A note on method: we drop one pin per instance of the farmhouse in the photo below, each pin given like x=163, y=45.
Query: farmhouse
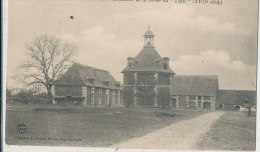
x=194, y=91
x=148, y=81
x=229, y=99
x=148, y=77
x=87, y=85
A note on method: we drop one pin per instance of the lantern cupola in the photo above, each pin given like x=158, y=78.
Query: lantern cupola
x=148, y=37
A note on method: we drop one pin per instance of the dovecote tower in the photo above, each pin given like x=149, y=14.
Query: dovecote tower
x=148, y=77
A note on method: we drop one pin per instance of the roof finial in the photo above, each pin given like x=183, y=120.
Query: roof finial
x=148, y=26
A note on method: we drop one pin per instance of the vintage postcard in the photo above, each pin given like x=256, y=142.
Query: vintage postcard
x=130, y=74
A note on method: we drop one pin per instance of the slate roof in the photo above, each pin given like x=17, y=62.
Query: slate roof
x=147, y=60
x=235, y=97
x=201, y=85
x=83, y=75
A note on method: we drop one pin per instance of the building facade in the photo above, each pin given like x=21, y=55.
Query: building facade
x=148, y=77
x=194, y=91
x=85, y=85
x=231, y=99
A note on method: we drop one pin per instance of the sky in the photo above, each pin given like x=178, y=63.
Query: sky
x=199, y=39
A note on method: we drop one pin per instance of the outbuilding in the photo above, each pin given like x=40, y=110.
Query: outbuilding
x=235, y=99
x=87, y=85
x=194, y=91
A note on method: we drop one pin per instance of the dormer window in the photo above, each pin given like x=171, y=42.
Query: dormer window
x=106, y=82
x=117, y=84
x=91, y=80
x=129, y=65
x=130, y=62
x=165, y=63
x=165, y=66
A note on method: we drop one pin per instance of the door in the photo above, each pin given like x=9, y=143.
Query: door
x=206, y=105
x=174, y=103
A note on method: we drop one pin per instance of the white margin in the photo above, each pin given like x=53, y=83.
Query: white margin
x=11, y=148
x=4, y=61
x=257, y=89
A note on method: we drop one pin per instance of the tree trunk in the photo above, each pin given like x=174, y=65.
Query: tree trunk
x=49, y=94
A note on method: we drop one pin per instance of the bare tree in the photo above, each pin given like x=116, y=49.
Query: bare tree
x=47, y=58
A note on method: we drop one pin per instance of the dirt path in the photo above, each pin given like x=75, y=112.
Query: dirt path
x=181, y=135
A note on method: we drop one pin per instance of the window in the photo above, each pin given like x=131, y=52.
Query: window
x=92, y=95
x=113, y=97
x=164, y=66
x=130, y=65
x=118, y=97
x=100, y=96
x=199, y=97
x=107, y=97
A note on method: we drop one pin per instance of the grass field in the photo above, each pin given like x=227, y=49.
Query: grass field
x=85, y=126
x=233, y=131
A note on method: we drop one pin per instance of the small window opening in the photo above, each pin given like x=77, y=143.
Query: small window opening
x=130, y=65
x=199, y=97
x=165, y=66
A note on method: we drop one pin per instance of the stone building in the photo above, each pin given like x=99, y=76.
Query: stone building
x=231, y=99
x=194, y=91
x=148, y=77
x=87, y=85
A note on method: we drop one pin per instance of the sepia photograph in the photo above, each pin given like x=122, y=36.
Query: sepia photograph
x=131, y=74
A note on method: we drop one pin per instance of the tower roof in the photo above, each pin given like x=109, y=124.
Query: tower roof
x=148, y=59
x=148, y=53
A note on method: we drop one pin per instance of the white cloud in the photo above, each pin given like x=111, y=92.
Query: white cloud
x=178, y=18
x=108, y=49
x=214, y=25
x=232, y=74
x=104, y=48
x=106, y=38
